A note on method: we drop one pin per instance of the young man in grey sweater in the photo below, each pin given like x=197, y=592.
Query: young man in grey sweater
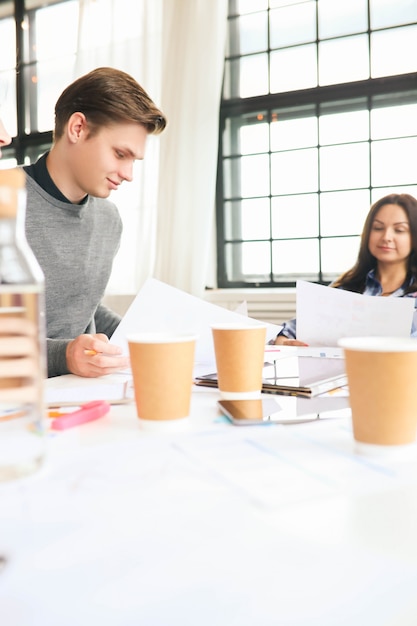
x=102, y=121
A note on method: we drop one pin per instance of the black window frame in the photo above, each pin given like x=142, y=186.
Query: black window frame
x=317, y=97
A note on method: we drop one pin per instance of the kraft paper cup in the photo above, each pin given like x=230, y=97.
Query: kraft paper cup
x=382, y=375
x=239, y=351
x=162, y=368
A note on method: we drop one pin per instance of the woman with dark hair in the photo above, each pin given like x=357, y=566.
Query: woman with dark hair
x=387, y=259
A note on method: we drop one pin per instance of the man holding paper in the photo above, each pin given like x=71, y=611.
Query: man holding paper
x=102, y=121
x=387, y=260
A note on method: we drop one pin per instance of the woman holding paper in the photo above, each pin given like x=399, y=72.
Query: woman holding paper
x=387, y=258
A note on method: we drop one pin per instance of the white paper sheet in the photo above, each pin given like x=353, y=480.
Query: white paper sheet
x=74, y=390
x=325, y=315
x=158, y=307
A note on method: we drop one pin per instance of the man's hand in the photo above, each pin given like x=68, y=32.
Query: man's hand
x=92, y=356
x=281, y=340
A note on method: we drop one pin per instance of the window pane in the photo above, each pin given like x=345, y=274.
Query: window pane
x=230, y=145
x=338, y=255
x=52, y=78
x=295, y=259
x=294, y=172
x=344, y=167
x=8, y=111
x=293, y=68
x=343, y=60
x=392, y=13
x=254, y=138
x=393, y=162
x=394, y=51
x=249, y=6
x=231, y=178
x=293, y=133
x=293, y=25
x=232, y=220
x=8, y=44
x=344, y=127
x=248, y=219
x=273, y=4
x=343, y=212
x=256, y=259
x=295, y=216
x=249, y=262
x=380, y=192
x=52, y=41
x=248, y=34
x=394, y=121
x=255, y=219
x=251, y=76
x=342, y=18
x=255, y=176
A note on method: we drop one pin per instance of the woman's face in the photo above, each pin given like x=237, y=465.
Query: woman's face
x=390, y=236
x=5, y=138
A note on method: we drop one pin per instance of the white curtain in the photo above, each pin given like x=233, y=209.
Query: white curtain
x=193, y=60
x=175, y=49
x=127, y=34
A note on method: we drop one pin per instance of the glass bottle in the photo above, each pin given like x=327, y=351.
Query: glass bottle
x=22, y=337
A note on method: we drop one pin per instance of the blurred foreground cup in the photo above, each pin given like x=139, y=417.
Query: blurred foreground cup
x=162, y=368
x=239, y=351
x=382, y=374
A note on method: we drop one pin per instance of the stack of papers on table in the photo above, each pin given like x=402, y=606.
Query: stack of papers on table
x=74, y=390
x=296, y=375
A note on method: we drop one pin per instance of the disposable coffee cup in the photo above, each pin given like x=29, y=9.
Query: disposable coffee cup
x=162, y=369
x=382, y=374
x=239, y=351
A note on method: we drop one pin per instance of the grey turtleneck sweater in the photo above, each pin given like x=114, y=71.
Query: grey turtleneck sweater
x=75, y=245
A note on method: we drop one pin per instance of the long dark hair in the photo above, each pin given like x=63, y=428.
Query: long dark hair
x=355, y=278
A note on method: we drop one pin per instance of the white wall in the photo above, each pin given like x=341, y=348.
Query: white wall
x=270, y=305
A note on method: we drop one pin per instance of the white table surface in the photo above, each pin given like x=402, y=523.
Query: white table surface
x=210, y=525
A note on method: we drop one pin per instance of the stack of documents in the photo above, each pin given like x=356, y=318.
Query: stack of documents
x=296, y=376
x=74, y=390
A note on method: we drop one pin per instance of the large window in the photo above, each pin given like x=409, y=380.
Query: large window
x=318, y=120
x=37, y=61
x=44, y=46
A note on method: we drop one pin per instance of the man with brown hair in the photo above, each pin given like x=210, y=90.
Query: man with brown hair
x=102, y=121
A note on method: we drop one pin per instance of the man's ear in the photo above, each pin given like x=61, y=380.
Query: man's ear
x=76, y=127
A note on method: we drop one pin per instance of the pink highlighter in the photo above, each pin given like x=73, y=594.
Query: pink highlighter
x=87, y=413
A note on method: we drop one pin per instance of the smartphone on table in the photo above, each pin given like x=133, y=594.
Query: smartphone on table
x=283, y=410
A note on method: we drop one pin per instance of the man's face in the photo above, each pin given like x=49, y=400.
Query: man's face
x=99, y=164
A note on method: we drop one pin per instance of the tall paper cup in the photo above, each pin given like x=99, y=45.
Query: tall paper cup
x=162, y=367
x=239, y=351
x=382, y=375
